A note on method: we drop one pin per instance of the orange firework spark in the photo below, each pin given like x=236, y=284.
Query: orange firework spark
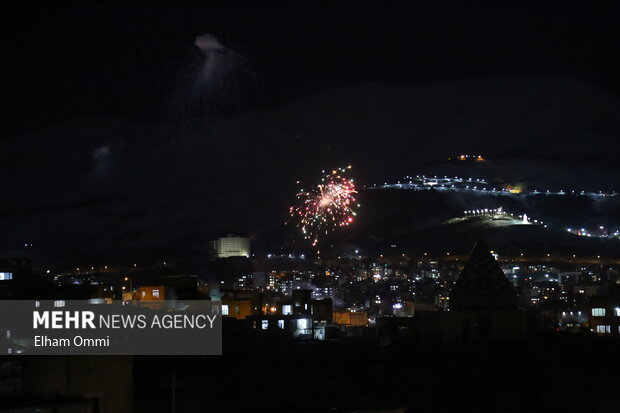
x=329, y=205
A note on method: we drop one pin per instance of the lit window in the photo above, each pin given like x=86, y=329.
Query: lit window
x=5, y=276
x=155, y=293
x=281, y=324
x=617, y=309
x=224, y=309
x=287, y=310
x=265, y=324
x=59, y=303
x=603, y=329
x=303, y=323
x=598, y=312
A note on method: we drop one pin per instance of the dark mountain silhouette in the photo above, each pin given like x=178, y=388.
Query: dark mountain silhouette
x=110, y=187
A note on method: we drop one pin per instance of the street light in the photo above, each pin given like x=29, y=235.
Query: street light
x=130, y=284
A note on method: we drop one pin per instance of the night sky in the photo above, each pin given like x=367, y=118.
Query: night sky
x=67, y=60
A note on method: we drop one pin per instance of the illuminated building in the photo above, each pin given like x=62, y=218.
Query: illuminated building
x=240, y=304
x=351, y=317
x=301, y=317
x=16, y=278
x=155, y=293
x=15, y=269
x=231, y=246
x=604, y=316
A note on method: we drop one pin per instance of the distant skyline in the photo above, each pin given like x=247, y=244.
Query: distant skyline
x=71, y=60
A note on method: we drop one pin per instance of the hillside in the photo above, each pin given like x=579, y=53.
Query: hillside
x=112, y=187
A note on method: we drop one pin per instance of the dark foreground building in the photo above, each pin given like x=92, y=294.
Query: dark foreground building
x=66, y=384
x=483, y=306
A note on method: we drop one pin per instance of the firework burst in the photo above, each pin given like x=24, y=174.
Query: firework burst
x=329, y=205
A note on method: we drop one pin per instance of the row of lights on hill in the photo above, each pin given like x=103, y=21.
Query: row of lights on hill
x=105, y=267
x=521, y=254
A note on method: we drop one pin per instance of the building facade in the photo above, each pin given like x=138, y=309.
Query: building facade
x=231, y=246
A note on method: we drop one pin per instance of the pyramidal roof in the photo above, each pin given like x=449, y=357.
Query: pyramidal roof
x=482, y=284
